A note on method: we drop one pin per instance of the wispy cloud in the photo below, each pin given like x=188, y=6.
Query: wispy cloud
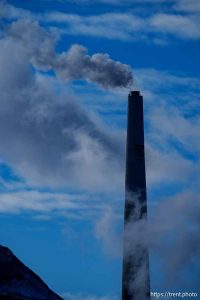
x=186, y=27
x=172, y=144
x=126, y=26
x=39, y=202
x=107, y=233
x=114, y=2
x=121, y=26
x=156, y=26
x=10, y=11
x=192, y=6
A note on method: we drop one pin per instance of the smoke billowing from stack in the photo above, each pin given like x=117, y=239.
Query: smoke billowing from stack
x=135, y=284
x=73, y=64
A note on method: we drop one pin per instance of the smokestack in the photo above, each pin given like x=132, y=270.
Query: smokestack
x=135, y=282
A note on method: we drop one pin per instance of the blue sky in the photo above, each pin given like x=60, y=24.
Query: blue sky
x=66, y=69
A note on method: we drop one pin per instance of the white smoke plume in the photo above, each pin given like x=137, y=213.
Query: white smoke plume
x=74, y=64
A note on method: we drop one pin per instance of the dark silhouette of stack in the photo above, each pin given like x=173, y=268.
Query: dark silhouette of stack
x=18, y=282
x=135, y=282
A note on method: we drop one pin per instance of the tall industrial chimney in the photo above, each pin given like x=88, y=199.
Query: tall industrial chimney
x=135, y=282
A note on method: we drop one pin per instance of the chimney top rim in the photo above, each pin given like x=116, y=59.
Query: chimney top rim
x=134, y=93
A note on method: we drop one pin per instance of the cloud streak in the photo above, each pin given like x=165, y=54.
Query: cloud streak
x=107, y=233
x=191, y=6
x=158, y=26
x=127, y=26
x=39, y=202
